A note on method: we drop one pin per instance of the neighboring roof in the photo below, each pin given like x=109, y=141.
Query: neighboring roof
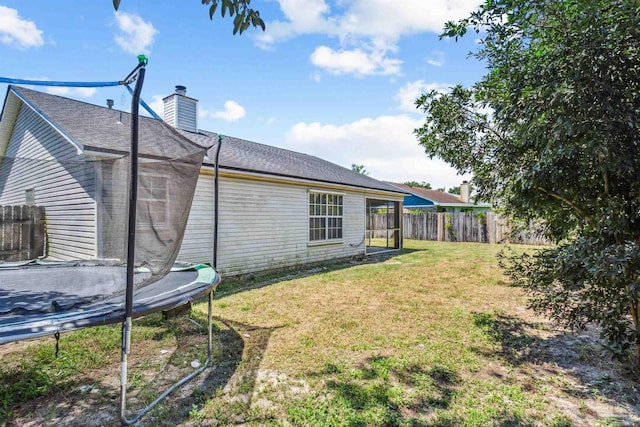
x=95, y=128
x=438, y=197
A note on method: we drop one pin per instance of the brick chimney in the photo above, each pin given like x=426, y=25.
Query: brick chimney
x=465, y=191
x=181, y=111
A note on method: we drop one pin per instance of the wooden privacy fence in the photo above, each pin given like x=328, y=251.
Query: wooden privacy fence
x=486, y=227
x=22, y=232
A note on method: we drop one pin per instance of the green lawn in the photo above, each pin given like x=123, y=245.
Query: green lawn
x=433, y=336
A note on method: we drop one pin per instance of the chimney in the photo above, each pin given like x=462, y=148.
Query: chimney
x=181, y=111
x=110, y=103
x=465, y=191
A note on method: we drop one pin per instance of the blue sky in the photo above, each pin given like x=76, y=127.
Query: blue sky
x=335, y=79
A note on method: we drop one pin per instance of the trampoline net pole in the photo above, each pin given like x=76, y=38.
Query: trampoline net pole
x=127, y=326
x=131, y=242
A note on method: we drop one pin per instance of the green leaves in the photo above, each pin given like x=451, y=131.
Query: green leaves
x=550, y=134
x=359, y=169
x=212, y=9
x=245, y=16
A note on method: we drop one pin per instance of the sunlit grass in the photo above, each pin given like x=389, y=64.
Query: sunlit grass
x=391, y=343
x=431, y=336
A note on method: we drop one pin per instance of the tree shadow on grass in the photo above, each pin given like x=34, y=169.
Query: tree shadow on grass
x=538, y=351
x=236, y=359
x=385, y=391
x=30, y=393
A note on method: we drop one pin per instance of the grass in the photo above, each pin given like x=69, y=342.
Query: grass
x=431, y=337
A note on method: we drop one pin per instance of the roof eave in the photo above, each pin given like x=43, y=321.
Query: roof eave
x=78, y=146
x=294, y=178
x=6, y=124
x=465, y=205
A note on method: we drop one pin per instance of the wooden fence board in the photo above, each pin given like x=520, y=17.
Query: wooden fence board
x=22, y=232
x=459, y=227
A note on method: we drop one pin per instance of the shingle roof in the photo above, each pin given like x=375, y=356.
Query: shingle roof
x=433, y=195
x=103, y=129
x=239, y=154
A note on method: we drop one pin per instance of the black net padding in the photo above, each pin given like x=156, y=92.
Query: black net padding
x=84, y=200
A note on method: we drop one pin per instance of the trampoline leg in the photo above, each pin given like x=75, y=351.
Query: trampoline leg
x=126, y=344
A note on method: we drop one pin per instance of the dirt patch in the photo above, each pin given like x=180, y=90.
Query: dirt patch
x=580, y=378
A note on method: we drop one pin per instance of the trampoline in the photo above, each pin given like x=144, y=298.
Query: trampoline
x=142, y=191
x=39, y=299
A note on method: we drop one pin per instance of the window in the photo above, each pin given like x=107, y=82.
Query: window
x=152, y=200
x=30, y=197
x=325, y=217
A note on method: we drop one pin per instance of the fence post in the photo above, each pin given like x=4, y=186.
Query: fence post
x=40, y=232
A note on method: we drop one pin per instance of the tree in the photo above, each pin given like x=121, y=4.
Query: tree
x=245, y=16
x=418, y=184
x=359, y=169
x=551, y=134
x=454, y=190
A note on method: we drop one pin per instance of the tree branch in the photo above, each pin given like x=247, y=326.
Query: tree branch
x=485, y=125
x=567, y=201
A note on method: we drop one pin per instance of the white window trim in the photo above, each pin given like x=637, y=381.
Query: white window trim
x=326, y=241
x=166, y=199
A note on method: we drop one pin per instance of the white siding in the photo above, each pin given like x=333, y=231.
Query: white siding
x=169, y=115
x=197, y=244
x=181, y=112
x=264, y=226
x=65, y=189
x=187, y=114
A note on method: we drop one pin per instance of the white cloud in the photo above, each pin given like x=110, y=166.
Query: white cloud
x=17, y=31
x=368, y=19
x=386, y=145
x=79, y=92
x=135, y=35
x=357, y=61
x=268, y=121
x=156, y=104
x=436, y=59
x=366, y=29
x=232, y=112
x=408, y=93
x=299, y=20
x=83, y=92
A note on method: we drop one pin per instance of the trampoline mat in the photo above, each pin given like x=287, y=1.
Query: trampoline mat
x=37, y=300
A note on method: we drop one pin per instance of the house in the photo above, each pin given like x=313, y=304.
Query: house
x=277, y=208
x=419, y=198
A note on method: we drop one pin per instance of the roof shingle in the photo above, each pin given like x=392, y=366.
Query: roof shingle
x=433, y=195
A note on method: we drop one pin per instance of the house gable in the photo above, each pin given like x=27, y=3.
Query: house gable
x=414, y=201
x=40, y=161
x=13, y=103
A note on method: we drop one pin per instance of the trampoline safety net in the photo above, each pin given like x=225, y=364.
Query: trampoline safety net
x=84, y=200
